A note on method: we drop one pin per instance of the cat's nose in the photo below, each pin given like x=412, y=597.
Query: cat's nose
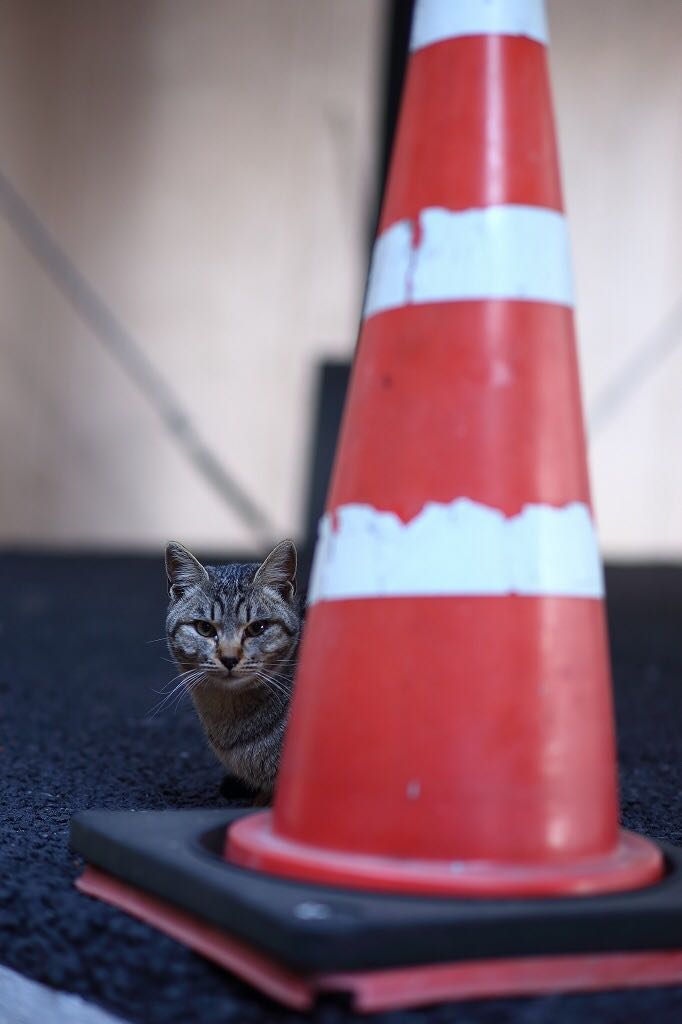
x=229, y=663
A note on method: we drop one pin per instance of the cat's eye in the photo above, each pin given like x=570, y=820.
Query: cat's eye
x=204, y=628
x=256, y=628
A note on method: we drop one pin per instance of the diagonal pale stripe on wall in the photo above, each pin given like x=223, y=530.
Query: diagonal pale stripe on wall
x=499, y=252
x=463, y=548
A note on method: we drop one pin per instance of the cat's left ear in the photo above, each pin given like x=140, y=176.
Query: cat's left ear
x=182, y=569
x=279, y=569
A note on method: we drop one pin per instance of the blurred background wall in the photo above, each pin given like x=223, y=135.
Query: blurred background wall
x=186, y=200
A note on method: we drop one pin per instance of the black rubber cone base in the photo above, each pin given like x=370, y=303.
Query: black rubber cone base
x=318, y=935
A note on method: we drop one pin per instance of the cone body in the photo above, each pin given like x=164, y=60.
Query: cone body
x=452, y=723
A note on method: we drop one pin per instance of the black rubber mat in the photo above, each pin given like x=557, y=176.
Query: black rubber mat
x=77, y=680
x=177, y=856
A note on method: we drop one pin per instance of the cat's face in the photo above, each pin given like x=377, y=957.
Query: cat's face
x=240, y=623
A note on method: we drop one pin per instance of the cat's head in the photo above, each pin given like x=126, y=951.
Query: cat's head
x=239, y=622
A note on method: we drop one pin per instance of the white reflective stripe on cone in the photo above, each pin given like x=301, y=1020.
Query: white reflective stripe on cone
x=435, y=20
x=457, y=549
x=498, y=252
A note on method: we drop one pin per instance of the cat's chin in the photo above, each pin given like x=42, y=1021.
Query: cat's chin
x=235, y=684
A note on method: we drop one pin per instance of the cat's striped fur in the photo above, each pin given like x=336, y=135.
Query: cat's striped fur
x=235, y=629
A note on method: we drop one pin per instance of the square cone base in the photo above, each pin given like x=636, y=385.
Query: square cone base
x=295, y=941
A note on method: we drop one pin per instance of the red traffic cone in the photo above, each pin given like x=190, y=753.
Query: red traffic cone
x=451, y=731
x=452, y=728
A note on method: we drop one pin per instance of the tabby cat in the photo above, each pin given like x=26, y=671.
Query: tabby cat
x=234, y=631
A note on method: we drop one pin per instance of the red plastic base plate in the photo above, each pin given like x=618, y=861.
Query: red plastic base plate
x=395, y=988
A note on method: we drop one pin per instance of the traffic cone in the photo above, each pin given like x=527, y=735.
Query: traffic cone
x=451, y=733
x=452, y=728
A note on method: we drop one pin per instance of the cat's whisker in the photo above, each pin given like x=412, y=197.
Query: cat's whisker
x=158, y=708
x=260, y=667
x=187, y=682
x=275, y=688
x=182, y=691
x=275, y=685
x=167, y=687
x=192, y=684
x=284, y=677
x=263, y=669
x=170, y=682
x=266, y=672
x=276, y=694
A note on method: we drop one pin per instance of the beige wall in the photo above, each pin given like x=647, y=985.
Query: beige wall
x=209, y=167
x=618, y=90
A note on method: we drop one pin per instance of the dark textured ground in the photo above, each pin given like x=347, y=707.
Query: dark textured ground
x=77, y=679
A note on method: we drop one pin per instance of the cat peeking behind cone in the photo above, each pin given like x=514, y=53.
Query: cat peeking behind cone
x=234, y=632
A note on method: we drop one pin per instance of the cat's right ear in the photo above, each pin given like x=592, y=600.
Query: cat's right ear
x=279, y=569
x=182, y=569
